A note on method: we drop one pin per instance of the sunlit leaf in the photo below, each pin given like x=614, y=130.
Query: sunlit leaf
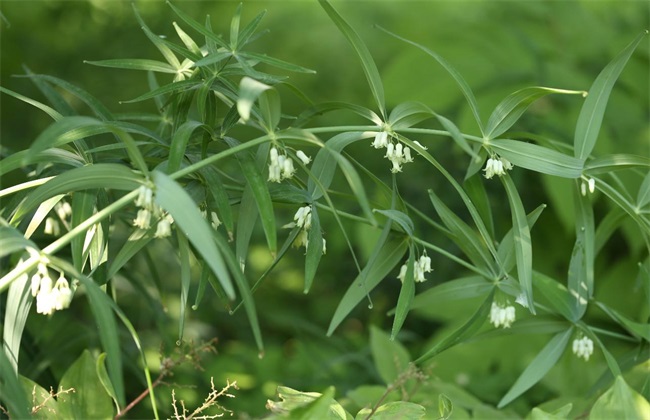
x=620, y=402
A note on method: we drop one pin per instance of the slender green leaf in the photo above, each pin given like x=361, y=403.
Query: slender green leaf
x=187, y=40
x=464, y=87
x=249, y=30
x=171, y=197
x=506, y=114
x=585, y=235
x=19, y=301
x=537, y=369
x=320, y=109
x=621, y=201
x=476, y=192
x=507, y=248
x=394, y=410
x=182, y=86
x=406, y=295
x=401, y=218
x=636, y=328
x=384, y=259
x=466, y=331
x=277, y=62
x=220, y=197
x=11, y=240
x=457, y=289
x=463, y=236
x=186, y=275
x=521, y=240
x=157, y=41
x=408, y=114
x=83, y=206
x=135, y=64
x=105, y=380
x=204, y=30
x=538, y=158
x=643, y=197
x=26, y=157
x=48, y=110
x=133, y=245
x=101, y=175
x=179, y=143
x=367, y=63
x=593, y=110
x=608, y=163
x=556, y=294
x=314, y=249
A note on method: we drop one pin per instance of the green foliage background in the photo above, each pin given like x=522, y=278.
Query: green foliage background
x=498, y=47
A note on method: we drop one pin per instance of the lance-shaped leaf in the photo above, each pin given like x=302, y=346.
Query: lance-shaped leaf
x=390, y=356
x=251, y=90
x=314, y=249
x=537, y=369
x=186, y=274
x=19, y=301
x=367, y=63
x=522, y=241
x=320, y=109
x=608, y=163
x=11, y=392
x=171, y=197
x=557, y=295
x=135, y=64
x=506, y=247
x=45, y=108
x=400, y=218
x=513, y=106
x=406, y=295
x=591, y=114
x=179, y=143
x=538, y=158
x=457, y=289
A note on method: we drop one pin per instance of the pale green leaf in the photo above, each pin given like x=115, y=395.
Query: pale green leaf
x=620, y=402
x=390, y=356
x=538, y=158
x=135, y=64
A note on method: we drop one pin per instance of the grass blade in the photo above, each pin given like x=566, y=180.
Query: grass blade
x=48, y=110
x=367, y=63
x=593, y=110
x=536, y=370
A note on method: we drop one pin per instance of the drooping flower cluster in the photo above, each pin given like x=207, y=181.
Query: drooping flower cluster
x=214, y=218
x=52, y=225
x=422, y=265
x=150, y=210
x=302, y=219
x=589, y=185
x=502, y=315
x=497, y=166
x=50, y=297
x=281, y=165
x=583, y=347
x=398, y=154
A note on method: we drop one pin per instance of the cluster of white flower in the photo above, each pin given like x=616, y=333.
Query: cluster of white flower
x=149, y=210
x=50, y=297
x=583, y=347
x=281, y=166
x=214, y=218
x=422, y=265
x=396, y=153
x=502, y=315
x=302, y=219
x=63, y=211
x=497, y=166
x=590, y=185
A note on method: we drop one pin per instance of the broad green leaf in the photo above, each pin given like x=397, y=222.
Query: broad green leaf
x=179, y=143
x=299, y=405
x=620, y=402
x=19, y=301
x=390, y=356
x=467, y=330
x=135, y=64
x=171, y=197
x=521, y=240
x=556, y=294
x=400, y=218
x=394, y=410
x=89, y=399
x=12, y=393
x=457, y=289
x=538, y=158
x=506, y=247
x=48, y=407
x=463, y=236
x=593, y=110
x=464, y=87
x=608, y=163
x=314, y=249
x=406, y=295
x=101, y=175
x=186, y=275
x=538, y=367
x=48, y=110
x=367, y=63
x=384, y=259
x=559, y=414
x=506, y=114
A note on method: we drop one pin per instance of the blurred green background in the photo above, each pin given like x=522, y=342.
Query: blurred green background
x=498, y=47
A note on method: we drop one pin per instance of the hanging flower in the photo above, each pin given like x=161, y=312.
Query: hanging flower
x=583, y=347
x=590, y=185
x=422, y=266
x=381, y=140
x=502, y=315
x=497, y=166
x=303, y=157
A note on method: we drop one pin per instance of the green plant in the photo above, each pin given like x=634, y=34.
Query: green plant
x=221, y=155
